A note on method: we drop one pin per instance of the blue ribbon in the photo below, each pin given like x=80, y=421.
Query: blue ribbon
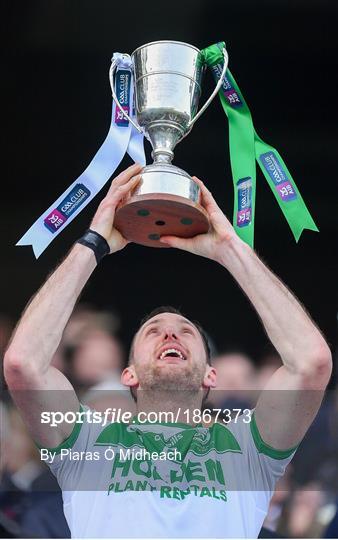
x=122, y=137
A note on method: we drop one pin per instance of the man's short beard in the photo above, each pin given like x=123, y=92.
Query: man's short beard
x=159, y=378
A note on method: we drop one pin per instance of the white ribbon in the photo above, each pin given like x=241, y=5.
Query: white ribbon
x=119, y=140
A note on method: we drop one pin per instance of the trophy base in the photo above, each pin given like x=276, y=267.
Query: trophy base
x=166, y=202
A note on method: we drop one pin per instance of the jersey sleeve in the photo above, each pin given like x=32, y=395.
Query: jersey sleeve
x=263, y=465
x=68, y=460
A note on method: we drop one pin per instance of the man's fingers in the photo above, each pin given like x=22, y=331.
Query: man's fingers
x=204, y=190
x=217, y=217
x=126, y=175
x=104, y=216
x=207, y=197
x=127, y=185
x=175, y=242
x=107, y=206
x=198, y=181
x=124, y=188
x=116, y=192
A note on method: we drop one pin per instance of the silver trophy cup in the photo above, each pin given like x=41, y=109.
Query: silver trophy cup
x=167, y=85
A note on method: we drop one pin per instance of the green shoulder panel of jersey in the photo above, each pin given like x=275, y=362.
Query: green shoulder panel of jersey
x=266, y=449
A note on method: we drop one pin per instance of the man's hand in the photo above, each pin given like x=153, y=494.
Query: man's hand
x=213, y=243
x=103, y=220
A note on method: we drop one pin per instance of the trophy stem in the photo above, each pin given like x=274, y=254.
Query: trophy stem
x=164, y=135
x=161, y=155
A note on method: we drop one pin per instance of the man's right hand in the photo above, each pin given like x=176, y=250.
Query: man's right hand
x=103, y=220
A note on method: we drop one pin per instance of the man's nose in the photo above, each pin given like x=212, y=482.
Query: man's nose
x=170, y=333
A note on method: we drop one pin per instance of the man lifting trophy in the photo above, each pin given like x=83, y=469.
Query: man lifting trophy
x=221, y=473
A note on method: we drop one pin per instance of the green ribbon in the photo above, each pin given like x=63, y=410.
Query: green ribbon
x=246, y=147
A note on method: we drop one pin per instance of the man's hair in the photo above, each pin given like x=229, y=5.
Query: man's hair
x=171, y=309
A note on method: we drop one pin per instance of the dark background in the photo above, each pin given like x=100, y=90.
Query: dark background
x=57, y=106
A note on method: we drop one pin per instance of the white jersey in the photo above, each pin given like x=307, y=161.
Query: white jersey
x=214, y=482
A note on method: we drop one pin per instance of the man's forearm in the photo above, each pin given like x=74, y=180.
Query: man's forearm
x=40, y=329
x=288, y=326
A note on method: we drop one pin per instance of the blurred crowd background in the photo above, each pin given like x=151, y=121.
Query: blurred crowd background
x=92, y=355
x=56, y=111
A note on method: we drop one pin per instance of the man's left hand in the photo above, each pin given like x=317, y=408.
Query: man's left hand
x=213, y=243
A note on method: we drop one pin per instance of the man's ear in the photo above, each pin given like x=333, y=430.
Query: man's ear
x=129, y=377
x=210, y=378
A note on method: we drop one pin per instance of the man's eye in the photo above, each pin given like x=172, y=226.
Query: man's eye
x=187, y=331
x=151, y=331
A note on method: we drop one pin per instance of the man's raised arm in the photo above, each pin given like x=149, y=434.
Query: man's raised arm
x=35, y=385
x=289, y=403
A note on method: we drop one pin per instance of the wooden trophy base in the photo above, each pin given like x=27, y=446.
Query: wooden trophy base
x=143, y=219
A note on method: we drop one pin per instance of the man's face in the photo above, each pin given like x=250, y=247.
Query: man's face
x=169, y=354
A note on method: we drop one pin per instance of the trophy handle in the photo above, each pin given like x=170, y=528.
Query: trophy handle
x=217, y=88
x=112, y=70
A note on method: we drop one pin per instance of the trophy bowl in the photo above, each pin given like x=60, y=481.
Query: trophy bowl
x=167, y=86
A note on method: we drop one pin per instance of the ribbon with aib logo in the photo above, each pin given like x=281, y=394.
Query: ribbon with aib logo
x=122, y=137
x=246, y=147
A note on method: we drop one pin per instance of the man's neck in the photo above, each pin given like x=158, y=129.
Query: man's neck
x=170, y=406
